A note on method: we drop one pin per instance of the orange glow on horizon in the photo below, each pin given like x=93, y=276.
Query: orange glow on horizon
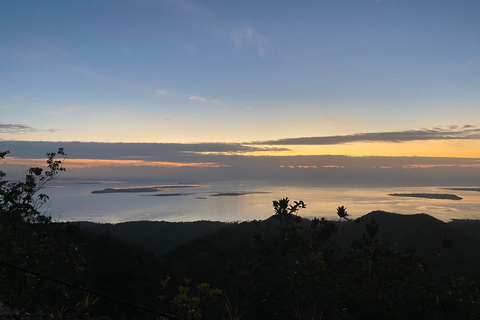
x=426, y=166
x=87, y=163
x=454, y=149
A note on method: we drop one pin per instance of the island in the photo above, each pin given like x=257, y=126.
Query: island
x=235, y=194
x=168, y=194
x=442, y=196
x=144, y=189
x=464, y=189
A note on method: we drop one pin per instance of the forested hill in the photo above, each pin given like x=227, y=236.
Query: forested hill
x=457, y=239
x=380, y=266
x=157, y=236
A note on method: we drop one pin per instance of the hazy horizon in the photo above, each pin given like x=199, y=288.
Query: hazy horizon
x=340, y=93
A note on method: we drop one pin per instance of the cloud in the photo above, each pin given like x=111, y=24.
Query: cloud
x=176, y=152
x=197, y=98
x=210, y=161
x=229, y=154
x=217, y=102
x=161, y=91
x=16, y=128
x=466, y=132
x=88, y=163
x=247, y=36
x=22, y=128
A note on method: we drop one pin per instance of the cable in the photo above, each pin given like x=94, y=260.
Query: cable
x=89, y=291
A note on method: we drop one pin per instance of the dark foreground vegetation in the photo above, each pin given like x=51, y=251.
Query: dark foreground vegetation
x=381, y=266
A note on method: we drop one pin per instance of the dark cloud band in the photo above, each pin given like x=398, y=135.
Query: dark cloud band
x=146, y=151
x=15, y=128
x=467, y=132
x=20, y=128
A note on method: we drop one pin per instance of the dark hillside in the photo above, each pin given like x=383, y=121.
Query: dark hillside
x=276, y=265
x=82, y=259
x=468, y=227
x=218, y=244
x=156, y=236
x=419, y=231
x=457, y=241
x=215, y=253
x=413, y=260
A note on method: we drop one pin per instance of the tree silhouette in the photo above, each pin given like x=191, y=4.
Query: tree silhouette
x=342, y=213
x=20, y=201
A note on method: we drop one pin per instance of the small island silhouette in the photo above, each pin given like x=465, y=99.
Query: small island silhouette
x=144, y=189
x=464, y=189
x=235, y=194
x=443, y=196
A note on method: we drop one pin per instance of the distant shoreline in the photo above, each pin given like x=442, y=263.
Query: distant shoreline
x=442, y=196
x=143, y=189
x=464, y=189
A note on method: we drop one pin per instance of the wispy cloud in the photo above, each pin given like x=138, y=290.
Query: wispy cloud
x=217, y=102
x=247, y=36
x=16, y=128
x=161, y=91
x=44, y=52
x=466, y=132
x=197, y=98
x=22, y=128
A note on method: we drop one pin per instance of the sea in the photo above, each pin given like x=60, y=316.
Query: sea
x=235, y=201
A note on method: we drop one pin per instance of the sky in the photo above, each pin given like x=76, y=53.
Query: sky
x=240, y=86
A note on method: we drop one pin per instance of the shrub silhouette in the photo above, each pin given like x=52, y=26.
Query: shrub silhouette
x=20, y=201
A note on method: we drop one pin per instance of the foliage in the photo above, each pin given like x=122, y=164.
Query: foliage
x=342, y=212
x=189, y=306
x=301, y=269
x=30, y=245
x=20, y=201
x=232, y=311
x=288, y=270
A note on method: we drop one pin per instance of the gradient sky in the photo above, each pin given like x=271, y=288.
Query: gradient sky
x=356, y=77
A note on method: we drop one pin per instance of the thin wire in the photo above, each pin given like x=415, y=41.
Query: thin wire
x=89, y=291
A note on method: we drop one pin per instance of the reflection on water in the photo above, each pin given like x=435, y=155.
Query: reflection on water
x=245, y=201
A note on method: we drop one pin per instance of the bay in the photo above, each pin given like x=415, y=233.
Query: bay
x=241, y=201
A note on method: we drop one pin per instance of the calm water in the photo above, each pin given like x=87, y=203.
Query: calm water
x=73, y=201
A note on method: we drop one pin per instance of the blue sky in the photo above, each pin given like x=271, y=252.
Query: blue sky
x=201, y=72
